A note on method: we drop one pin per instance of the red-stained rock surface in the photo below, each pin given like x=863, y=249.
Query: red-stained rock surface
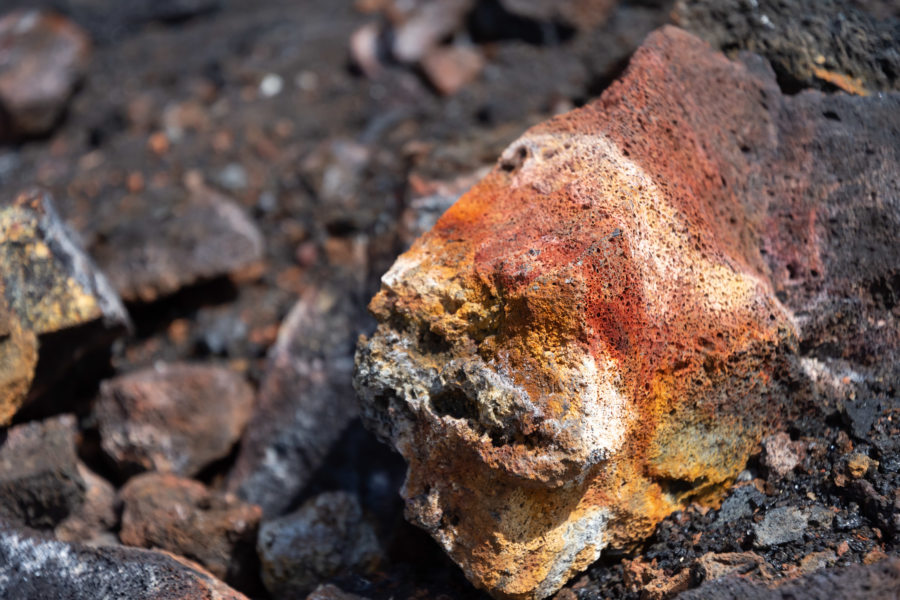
x=605, y=327
x=172, y=418
x=185, y=517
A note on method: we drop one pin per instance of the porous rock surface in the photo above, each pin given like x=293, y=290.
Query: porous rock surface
x=605, y=327
x=857, y=582
x=35, y=566
x=50, y=291
x=822, y=43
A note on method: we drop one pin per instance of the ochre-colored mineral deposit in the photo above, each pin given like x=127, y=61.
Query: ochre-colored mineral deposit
x=588, y=339
x=48, y=285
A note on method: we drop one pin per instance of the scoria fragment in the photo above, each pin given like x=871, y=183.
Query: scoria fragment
x=589, y=338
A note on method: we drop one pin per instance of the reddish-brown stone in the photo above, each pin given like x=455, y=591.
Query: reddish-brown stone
x=42, y=57
x=605, y=327
x=92, y=522
x=185, y=517
x=174, y=418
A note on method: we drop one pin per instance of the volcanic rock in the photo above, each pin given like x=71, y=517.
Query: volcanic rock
x=39, y=480
x=42, y=57
x=33, y=566
x=821, y=43
x=305, y=402
x=51, y=297
x=781, y=454
x=429, y=199
x=172, y=237
x=326, y=537
x=183, y=516
x=92, y=521
x=712, y=566
x=741, y=503
x=780, y=526
x=174, y=418
x=857, y=582
x=606, y=326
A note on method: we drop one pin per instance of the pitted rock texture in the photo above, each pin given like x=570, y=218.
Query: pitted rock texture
x=49, y=290
x=593, y=336
x=821, y=43
x=34, y=566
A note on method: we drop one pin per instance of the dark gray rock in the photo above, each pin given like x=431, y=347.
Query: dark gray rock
x=328, y=536
x=810, y=43
x=780, y=526
x=170, y=238
x=305, y=402
x=741, y=503
x=34, y=566
x=858, y=582
x=39, y=480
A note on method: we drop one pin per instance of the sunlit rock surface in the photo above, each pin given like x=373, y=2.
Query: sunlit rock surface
x=55, y=305
x=591, y=337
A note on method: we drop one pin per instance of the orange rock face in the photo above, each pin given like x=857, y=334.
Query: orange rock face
x=587, y=340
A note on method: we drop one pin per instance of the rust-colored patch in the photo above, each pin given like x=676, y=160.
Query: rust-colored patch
x=586, y=340
x=853, y=85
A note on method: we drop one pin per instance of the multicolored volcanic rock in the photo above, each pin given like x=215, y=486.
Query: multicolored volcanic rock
x=590, y=338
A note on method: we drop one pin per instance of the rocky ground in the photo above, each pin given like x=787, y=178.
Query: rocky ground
x=222, y=185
